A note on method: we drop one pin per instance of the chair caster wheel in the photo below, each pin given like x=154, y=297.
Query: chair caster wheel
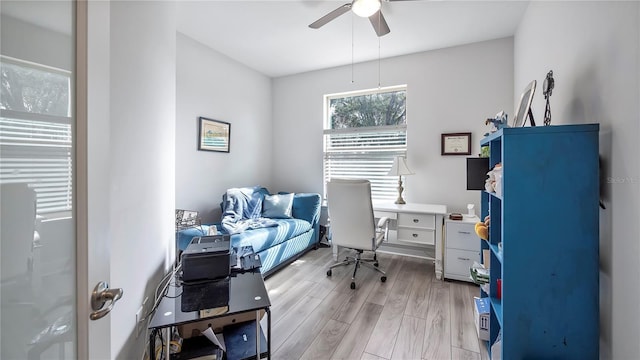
x=353, y=285
x=376, y=264
x=329, y=272
x=383, y=279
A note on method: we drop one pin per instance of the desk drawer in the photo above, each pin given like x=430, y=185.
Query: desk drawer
x=461, y=236
x=427, y=221
x=417, y=236
x=458, y=262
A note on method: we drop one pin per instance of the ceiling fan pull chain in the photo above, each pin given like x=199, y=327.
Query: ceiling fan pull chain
x=378, y=62
x=352, y=49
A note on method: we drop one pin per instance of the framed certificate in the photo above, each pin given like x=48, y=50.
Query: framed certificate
x=456, y=144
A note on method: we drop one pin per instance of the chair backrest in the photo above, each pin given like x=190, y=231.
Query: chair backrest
x=17, y=224
x=351, y=213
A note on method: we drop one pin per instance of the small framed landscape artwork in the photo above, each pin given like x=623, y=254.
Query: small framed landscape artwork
x=214, y=135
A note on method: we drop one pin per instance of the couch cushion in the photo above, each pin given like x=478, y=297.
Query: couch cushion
x=277, y=206
x=264, y=238
x=306, y=206
x=251, y=198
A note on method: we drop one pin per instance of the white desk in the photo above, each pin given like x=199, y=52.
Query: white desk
x=414, y=230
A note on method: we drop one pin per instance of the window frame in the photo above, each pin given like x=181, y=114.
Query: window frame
x=64, y=208
x=391, y=192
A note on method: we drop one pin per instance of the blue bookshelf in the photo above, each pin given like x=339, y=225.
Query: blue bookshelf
x=547, y=220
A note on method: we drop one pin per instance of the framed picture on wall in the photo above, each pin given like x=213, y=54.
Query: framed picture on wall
x=455, y=144
x=214, y=135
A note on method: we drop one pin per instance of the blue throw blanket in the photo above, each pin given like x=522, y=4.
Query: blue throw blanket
x=243, y=210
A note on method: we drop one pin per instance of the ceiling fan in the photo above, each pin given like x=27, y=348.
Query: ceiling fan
x=364, y=8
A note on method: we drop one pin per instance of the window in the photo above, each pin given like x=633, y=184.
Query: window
x=36, y=133
x=364, y=131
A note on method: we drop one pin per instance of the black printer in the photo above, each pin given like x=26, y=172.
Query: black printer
x=206, y=258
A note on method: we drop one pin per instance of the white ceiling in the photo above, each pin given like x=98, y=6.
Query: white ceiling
x=273, y=37
x=49, y=14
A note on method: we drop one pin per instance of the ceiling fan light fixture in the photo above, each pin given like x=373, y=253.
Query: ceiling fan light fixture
x=365, y=8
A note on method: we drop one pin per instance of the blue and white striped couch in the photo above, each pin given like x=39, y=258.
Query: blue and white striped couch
x=276, y=245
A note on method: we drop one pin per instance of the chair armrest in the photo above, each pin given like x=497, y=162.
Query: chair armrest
x=383, y=222
x=383, y=226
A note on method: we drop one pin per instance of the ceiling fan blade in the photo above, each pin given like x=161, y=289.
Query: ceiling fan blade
x=330, y=16
x=379, y=23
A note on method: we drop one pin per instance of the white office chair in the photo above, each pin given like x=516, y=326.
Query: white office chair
x=18, y=219
x=353, y=224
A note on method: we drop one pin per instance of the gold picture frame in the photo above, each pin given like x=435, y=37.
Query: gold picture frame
x=214, y=135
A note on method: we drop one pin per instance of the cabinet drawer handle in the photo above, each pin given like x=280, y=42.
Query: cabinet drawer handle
x=463, y=259
x=464, y=232
x=416, y=221
x=415, y=235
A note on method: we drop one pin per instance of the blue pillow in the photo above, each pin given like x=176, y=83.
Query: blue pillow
x=277, y=206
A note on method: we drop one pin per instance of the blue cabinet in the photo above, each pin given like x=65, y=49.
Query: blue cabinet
x=544, y=239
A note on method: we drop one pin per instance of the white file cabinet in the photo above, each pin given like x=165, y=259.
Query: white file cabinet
x=460, y=247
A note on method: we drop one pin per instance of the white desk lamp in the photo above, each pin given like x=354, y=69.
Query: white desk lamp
x=398, y=169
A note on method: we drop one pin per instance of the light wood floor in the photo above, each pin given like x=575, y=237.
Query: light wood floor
x=410, y=316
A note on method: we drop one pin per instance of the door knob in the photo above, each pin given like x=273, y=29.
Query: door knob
x=103, y=299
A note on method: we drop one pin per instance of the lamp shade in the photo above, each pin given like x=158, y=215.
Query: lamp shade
x=365, y=8
x=399, y=167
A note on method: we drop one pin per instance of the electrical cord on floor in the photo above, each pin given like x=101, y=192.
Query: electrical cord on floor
x=160, y=292
x=166, y=280
x=175, y=345
x=158, y=348
x=161, y=356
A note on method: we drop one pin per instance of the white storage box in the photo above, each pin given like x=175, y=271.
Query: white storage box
x=481, y=317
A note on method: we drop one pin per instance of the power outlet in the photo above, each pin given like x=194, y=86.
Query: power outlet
x=140, y=315
x=144, y=304
x=139, y=321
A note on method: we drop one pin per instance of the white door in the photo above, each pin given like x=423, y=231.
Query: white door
x=48, y=267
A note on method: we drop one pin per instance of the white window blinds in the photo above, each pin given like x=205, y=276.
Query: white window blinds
x=366, y=154
x=38, y=153
x=36, y=133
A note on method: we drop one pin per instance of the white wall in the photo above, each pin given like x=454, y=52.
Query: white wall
x=47, y=47
x=214, y=86
x=141, y=151
x=448, y=90
x=593, y=50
